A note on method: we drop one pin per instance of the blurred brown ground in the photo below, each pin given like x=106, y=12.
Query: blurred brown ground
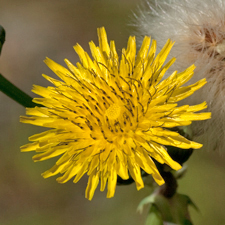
x=34, y=30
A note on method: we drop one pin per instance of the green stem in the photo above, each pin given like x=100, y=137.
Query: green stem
x=15, y=93
x=2, y=37
x=169, y=189
x=10, y=89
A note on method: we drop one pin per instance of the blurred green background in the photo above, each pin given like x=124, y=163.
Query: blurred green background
x=34, y=30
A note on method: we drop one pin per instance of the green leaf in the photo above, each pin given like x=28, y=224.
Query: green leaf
x=169, y=210
x=148, y=200
x=154, y=217
x=175, y=209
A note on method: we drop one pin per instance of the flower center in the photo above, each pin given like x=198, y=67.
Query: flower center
x=113, y=111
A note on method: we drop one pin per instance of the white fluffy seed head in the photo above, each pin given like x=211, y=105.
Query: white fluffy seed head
x=198, y=29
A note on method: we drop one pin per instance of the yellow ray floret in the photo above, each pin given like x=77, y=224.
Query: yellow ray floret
x=109, y=116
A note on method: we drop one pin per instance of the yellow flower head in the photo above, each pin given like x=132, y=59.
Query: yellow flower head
x=109, y=116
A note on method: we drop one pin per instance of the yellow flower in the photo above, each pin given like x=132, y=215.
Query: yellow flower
x=109, y=116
